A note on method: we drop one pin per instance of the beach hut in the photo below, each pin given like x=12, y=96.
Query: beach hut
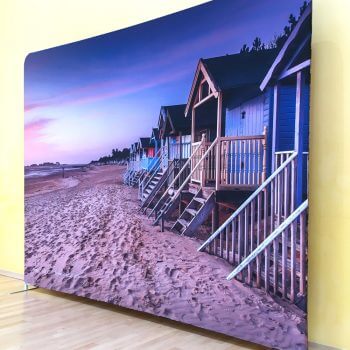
x=134, y=169
x=150, y=163
x=174, y=132
x=288, y=82
x=146, y=153
x=129, y=165
x=265, y=238
x=229, y=138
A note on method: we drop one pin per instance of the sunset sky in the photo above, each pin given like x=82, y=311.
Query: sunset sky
x=85, y=98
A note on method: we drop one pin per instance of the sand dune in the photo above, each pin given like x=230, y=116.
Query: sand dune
x=91, y=241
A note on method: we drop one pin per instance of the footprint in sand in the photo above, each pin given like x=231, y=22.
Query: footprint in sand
x=172, y=272
x=68, y=282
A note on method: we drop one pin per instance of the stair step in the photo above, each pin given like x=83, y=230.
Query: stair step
x=183, y=222
x=191, y=211
x=199, y=199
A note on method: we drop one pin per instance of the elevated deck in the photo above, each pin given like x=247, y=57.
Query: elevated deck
x=236, y=163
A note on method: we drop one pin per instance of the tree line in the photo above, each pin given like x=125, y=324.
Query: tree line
x=279, y=40
x=116, y=156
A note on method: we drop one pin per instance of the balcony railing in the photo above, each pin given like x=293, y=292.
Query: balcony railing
x=282, y=156
x=134, y=165
x=237, y=161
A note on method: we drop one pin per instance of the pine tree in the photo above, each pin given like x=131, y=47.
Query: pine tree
x=245, y=48
x=257, y=44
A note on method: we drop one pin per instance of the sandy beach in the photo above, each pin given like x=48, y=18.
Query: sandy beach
x=85, y=236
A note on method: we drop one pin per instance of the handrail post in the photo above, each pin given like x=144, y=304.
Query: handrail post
x=217, y=164
x=203, y=168
x=264, y=142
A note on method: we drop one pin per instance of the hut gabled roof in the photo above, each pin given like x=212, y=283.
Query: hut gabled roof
x=134, y=147
x=296, y=51
x=231, y=71
x=155, y=134
x=144, y=142
x=225, y=73
x=175, y=120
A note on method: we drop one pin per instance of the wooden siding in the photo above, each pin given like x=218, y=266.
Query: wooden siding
x=268, y=122
x=179, y=147
x=307, y=119
x=253, y=121
x=286, y=119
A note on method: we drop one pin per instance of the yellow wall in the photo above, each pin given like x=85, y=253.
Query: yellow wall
x=329, y=226
x=27, y=26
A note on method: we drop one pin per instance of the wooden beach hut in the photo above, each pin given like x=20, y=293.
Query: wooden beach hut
x=146, y=153
x=174, y=132
x=229, y=138
x=150, y=162
x=249, y=151
x=175, y=135
x=138, y=162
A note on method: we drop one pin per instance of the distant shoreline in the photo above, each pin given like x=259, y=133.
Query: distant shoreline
x=46, y=170
x=53, y=181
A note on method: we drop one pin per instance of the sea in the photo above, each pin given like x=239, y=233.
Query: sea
x=42, y=171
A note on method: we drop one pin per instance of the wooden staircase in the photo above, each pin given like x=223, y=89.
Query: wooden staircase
x=171, y=197
x=196, y=212
x=135, y=177
x=153, y=189
x=126, y=176
x=152, y=185
x=155, y=185
x=265, y=238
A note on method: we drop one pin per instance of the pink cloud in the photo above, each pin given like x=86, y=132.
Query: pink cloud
x=36, y=128
x=35, y=147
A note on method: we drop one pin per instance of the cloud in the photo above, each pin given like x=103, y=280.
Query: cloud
x=37, y=148
x=130, y=77
x=35, y=129
x=108, y=89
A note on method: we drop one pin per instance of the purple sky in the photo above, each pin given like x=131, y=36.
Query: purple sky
x=85, y=98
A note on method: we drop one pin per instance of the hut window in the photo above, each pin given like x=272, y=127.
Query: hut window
x=243, y=115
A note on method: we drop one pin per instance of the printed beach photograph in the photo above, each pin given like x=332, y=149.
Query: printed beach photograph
x=166, y=168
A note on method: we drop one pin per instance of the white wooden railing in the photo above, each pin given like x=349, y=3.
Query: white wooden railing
x=135, y=165
x=242, y=160
x=182, y=174
x=281, y=156
x=263, y=212
x=236, y=161
x=201, y=173
x=287, y=269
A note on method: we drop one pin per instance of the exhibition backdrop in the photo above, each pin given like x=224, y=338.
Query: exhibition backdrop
x=338, y=245
x=166, y=168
